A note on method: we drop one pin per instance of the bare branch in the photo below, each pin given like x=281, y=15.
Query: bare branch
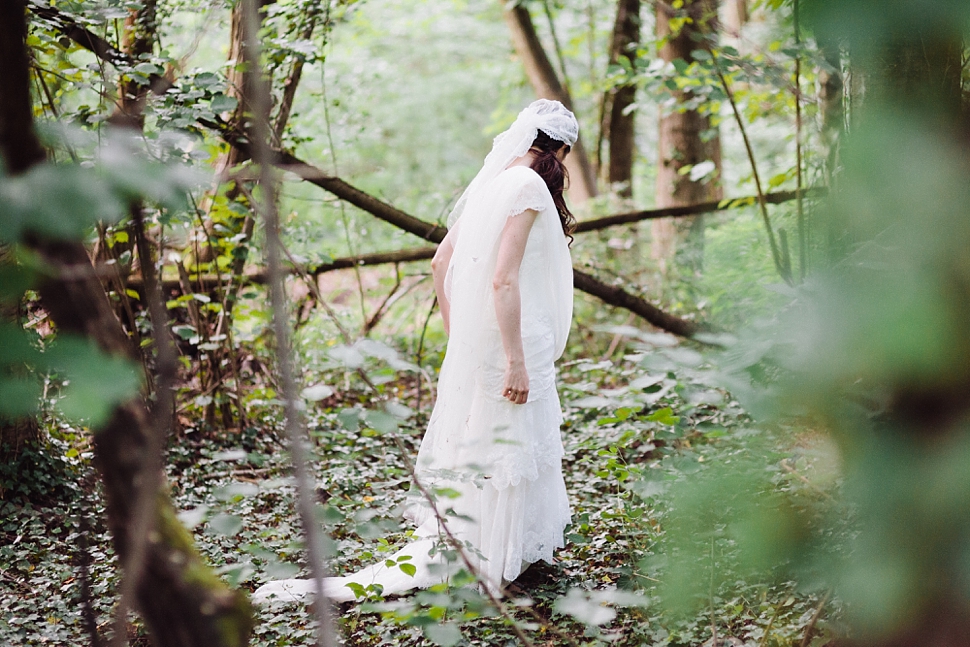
x=690, y=210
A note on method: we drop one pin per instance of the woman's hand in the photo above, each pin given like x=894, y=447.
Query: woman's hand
x=516, y=388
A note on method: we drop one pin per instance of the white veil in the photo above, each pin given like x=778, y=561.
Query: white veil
x=551, y=117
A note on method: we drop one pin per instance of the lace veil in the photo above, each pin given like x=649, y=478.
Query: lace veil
x=551, y=117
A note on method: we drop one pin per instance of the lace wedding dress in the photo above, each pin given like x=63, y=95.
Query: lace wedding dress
x=503, y=460
x=497, y=464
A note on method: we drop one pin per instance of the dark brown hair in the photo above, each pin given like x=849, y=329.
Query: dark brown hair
x=554, y=174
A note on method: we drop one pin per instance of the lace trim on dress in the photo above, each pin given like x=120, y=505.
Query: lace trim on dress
x=533, y=195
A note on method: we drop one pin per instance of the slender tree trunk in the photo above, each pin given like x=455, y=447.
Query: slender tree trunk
x=183, y=602
x=239, y=81
x=682, y=141
x=138, y=40
x=735, y=16
x=17, y=433
x=831, y=104
x=622, y=122
x=544, y=80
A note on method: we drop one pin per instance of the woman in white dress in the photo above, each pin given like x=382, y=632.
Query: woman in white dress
x=503, y=277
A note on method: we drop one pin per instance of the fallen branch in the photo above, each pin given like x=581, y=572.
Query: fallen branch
x=690, y=210
x=612, y=295
x=211, y=281
x=426, y=230
x=617, y=296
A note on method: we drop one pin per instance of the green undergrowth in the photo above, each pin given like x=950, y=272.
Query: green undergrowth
x=639, y=430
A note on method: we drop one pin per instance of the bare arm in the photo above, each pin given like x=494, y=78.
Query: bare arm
x=439, y=269
x=508, y=303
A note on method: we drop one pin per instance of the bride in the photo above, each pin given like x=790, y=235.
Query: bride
x=493, y=450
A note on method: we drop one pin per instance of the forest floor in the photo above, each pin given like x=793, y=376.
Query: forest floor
x=629, y=432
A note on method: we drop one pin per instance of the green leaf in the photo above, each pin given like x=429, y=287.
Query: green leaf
x=207, y=79
x=664, y=416
x=97, y=382
x=316, y=392
x=18, y=396
x=148, y=69
x=380, y=421
x=578, y=605
x=61, y=202
x=410, y=569
x=444, y=635
x=223, y=103
x=349, y=419
x=226, y=524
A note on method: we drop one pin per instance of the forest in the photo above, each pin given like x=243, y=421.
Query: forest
x=221, y=341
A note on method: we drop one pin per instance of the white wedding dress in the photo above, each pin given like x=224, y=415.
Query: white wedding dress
x=502, y=459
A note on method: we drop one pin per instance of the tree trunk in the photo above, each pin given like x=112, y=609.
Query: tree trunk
x=544, y=80
x=239, y=81
x=735, y=16
x=682, y=142
x=138, y=40
x=19, y=432
x=182, y=601
x=831, y=104
x=622, y=124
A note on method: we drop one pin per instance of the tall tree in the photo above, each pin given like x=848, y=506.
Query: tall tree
x=137, y=41
x=622, y=120
x=16, y=433
x=735, y=16
x=182, y=601
x=686, y=136
x=547, y=85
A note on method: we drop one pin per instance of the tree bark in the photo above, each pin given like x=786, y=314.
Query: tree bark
x=138, y=40
x=831, y=104
x=544, y=80
x=622, y=123
x=682, y=142
x=735, y=16
x=182, y=601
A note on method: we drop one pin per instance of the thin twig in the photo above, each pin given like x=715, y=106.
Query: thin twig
x=417, y=358
x=810, y=627
x=369, y=324
x=457, y=545
x=771, y=623
x=296, y=433
x=343, y=207
x=804, y=479
x=711, y=598
x=775, y=255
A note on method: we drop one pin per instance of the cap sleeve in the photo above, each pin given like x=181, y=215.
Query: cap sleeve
x=531, y=193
